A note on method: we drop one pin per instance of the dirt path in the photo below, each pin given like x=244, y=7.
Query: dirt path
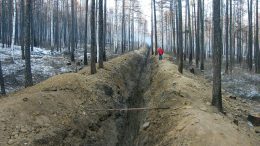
x=191, y=120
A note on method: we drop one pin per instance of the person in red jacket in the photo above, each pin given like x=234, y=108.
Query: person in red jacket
x=160, y=52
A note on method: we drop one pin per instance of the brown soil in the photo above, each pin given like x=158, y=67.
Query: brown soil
x=192, y=120
x=56, y=111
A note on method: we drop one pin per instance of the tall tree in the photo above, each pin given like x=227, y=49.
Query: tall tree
x=123, y=28
x=190, y=34
x=105, y=30
x=152, y=33
x=56, y=32
x=9, y=26
x=13, y=30
x=226, y=39
x=231, y=36
x=116, y=28
x=201, y=34
x=250, y=35
x=155, y=27
x=162, y=24
x=32, y=24
x=93, y=69
x=28, y=71
x=177, y=30
x=52, y=24
x=101, y=41
x=3, y=23
x=240, y=41
x=180, y=66
x=217, y=52
x=73, y=40
x=257, y=54
x=198, y=35
x=22, y=29
x=86, y=36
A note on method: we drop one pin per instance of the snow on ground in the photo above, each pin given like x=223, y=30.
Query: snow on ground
x=243, y=84
x=44, y=65
x=240, y=83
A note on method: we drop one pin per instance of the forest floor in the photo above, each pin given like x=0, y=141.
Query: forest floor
x=72, y=109
x=45, y=64
x=240, y=82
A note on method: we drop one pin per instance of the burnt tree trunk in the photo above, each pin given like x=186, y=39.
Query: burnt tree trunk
x=28, y=71
x=101, y=41
x=155, y=28
x=86, y=36
x=180, y=38
x=257, y=59
x=226, y=39
x=217, y=51
x=93, y=69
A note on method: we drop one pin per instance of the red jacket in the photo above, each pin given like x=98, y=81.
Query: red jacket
x=160, y=51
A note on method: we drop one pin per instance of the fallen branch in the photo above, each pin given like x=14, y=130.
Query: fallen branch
x=134, y=109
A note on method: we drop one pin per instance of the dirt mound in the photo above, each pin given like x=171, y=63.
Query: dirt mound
x=55, y=112
x=191, y=120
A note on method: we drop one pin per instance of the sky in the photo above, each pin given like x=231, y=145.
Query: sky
x=145, y=8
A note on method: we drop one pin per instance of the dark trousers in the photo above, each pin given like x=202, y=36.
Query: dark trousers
x=160, y=57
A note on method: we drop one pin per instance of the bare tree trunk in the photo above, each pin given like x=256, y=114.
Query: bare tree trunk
x=227, y=46
x=28, y=72
x=129, y=25
x=101, y=41
x=155, y=27
x=3, y=23
x=152, y=34
x=250, y=35
x=202, y=35
x=123, y=28
x=230, y=37
x=52, y=25
x=190, y=34
x=257, y=61
x=239, y=57
x=86, y=36
x=198, y=35
x=116, y=28
x=217, y=49
x=93, y=69
x=186, y=31
x=22, y=29
x=105, y=30
x=32, y=25
x=180, y=66
x=72, y=57
x=13, y=30
x=162, y=17
x=177, y=32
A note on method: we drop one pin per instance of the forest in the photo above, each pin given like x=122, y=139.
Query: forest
x=81, y=69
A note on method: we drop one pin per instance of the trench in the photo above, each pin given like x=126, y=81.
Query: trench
x=118, y=128
x=132, y=120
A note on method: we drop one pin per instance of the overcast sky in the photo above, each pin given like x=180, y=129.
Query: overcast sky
x=145, y=8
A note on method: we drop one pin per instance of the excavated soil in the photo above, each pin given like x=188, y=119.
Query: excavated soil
x=62, y=110
x=191, y=120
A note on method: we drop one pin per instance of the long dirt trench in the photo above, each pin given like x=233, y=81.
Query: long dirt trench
x=70, y=109
x=61, y=110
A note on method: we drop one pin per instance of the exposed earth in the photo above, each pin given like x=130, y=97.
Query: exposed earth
x=83, y=109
